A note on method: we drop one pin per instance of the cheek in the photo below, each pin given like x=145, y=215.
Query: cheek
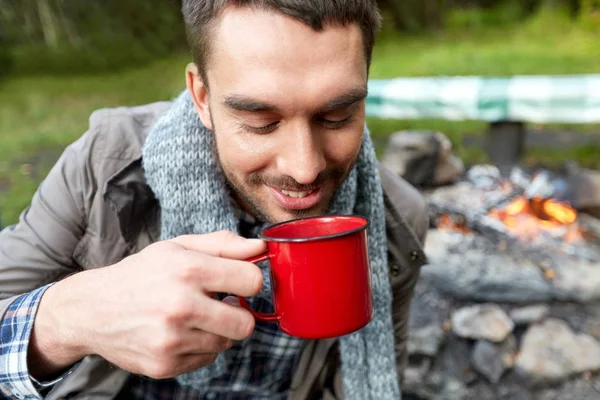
x=342, y=148
x=235, y=141
x=240, y=154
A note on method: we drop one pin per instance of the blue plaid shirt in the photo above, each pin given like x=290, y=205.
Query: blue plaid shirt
x=259, y=367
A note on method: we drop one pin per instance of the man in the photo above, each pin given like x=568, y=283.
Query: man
x=115, y=277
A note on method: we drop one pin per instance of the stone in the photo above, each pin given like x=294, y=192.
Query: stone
x=492, y=360
x=577, y=282
x=445, y=388
x=460, y=266
x=473, y=267
x=426, y=340
x=428, y=311
x=584, y=318
x=551, y=352
x=415, y=373
x=577, y=389
x=529, y=314
x=483, y=321
x=585, y=185
x=454, y=361
x=423, y=158
x=428, y=306
x=436, y=386
x=511, y=387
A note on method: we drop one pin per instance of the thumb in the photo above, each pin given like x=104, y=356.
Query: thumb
x=224, y=244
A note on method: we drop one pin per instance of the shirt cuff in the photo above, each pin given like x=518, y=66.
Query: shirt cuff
x=47, y=384
x=15, y=332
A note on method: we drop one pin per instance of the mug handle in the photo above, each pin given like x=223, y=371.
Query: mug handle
x=259, y=316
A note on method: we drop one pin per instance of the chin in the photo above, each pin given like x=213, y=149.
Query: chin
x=289, y=215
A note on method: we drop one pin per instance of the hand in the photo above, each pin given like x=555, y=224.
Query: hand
x=153, y=313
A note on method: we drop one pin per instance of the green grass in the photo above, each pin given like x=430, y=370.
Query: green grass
x=40, y=115
x=548, y=43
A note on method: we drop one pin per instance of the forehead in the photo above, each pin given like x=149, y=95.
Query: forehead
x=264, y=52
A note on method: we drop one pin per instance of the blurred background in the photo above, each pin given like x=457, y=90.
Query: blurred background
x=516, y=244
x=62, y=59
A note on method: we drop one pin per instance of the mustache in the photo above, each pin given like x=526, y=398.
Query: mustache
x=285, y=182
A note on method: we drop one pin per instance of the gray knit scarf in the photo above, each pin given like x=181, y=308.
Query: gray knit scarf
x=182, y=170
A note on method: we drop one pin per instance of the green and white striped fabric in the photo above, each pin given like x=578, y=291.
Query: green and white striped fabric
x=537, y=99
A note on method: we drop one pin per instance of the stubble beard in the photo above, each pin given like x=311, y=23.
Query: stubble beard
x=335, y=175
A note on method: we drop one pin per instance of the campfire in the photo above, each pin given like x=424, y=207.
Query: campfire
x=514, y=255
x=529, y=213
x=528, y=219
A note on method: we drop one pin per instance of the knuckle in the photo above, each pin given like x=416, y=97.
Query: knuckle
x=244, y=325
x=180, y=311
x=161, y=247
x=187, y=273
x=212, y=275
x=188, y=270
x=207, y=316
x=257, y=281
x=160, y=370
x=226, y=235
x=165, y=346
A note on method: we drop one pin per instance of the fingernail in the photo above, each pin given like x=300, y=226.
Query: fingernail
x=232, y=301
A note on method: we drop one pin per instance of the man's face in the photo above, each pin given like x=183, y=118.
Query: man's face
x=287, y=107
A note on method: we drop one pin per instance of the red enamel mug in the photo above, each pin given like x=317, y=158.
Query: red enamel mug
x=320, y=276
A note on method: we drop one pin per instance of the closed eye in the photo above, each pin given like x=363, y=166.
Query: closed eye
x=335, y=124
x=259, y=130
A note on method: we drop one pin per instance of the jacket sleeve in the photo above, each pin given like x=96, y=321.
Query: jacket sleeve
x=407, y=223
x=38, y=249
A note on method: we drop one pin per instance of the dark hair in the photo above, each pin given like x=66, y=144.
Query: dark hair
x=200, y=14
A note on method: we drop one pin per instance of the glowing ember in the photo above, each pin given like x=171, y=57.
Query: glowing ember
x=446, y=223
x=528, y=218
x=562, y=213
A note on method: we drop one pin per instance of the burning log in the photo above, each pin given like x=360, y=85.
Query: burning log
x=498, y=226
x=525, y=214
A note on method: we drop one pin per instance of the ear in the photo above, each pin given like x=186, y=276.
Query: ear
x=199, y=94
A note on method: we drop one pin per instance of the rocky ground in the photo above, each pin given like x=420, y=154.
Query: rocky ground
x=461, y=349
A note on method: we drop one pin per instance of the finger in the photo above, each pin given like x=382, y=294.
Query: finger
x=224, y=244
x=165, y=369
x=191, y=362
x=221, y=275
x=222, y=319
x=202, y=342
x=232, y=301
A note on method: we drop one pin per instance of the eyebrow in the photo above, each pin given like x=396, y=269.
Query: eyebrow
x=345, y=100
x=241, y=103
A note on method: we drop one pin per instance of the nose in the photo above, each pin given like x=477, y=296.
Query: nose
x=303, y=155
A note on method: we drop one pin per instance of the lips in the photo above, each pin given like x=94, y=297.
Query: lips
x=296, y=194
x=296, y=200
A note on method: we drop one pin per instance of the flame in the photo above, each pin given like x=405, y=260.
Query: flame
x=562, y=213
x=528, y=218
x=446, y=223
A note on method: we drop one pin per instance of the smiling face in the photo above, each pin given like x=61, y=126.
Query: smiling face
x=286, y=104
